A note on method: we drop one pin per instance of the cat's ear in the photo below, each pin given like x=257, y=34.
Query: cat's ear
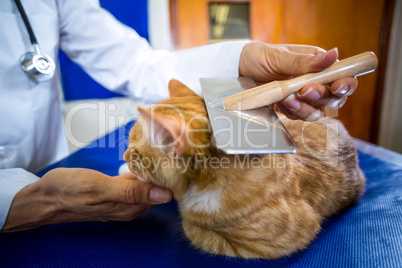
x=178, y=89
x=166, y=132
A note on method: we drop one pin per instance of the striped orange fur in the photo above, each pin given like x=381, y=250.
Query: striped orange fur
x=250, y=206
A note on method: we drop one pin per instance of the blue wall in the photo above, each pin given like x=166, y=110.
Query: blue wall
x=76, y=83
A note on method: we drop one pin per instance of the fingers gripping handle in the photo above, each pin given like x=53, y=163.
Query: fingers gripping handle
x=278, y=90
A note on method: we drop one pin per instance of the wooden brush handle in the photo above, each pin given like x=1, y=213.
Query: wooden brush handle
x=278, y=90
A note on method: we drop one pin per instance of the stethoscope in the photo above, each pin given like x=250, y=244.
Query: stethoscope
x=40, y=67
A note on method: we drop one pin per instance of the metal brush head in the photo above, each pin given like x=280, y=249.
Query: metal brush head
x=256, y=131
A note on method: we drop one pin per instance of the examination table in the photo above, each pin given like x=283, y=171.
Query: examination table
x=367, y=234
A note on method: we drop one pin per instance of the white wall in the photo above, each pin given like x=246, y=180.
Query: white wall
x=390, y=135
x=159, y=24
x=88, y=120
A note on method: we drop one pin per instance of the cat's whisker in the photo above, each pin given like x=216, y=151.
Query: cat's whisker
x=120, y=141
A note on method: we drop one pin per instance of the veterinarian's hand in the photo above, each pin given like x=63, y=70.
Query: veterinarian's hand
x=265, y=63
x=70, y=195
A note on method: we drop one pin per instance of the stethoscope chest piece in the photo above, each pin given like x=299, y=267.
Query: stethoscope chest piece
x=39, y=67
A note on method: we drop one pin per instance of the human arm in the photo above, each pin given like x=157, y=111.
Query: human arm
x=119, y=59
x=9, y=188
x=70, y=195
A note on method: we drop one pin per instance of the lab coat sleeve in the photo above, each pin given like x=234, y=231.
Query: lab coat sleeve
x=119, y=59
x=11, y=182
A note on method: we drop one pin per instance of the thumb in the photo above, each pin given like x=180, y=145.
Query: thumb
x=296, y=64
x=124, y=189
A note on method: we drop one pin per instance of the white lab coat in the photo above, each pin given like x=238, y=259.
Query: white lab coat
x=31, y=124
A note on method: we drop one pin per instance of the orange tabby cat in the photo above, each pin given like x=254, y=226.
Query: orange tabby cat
x=251, y=206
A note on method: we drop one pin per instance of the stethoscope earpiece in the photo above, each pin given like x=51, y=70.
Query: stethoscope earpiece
x=40, y=67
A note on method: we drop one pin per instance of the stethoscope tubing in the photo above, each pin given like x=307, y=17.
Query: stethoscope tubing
x=40, y=67
x=32, y=36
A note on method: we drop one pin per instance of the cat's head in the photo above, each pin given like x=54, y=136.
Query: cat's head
x=170, y=138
